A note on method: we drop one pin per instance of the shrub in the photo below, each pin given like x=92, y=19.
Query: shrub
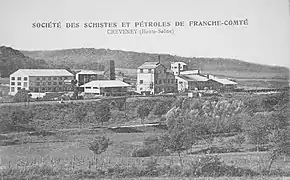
x=99, y=145
x=141, y=152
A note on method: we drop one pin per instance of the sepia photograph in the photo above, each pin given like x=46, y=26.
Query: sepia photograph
x=136, y=89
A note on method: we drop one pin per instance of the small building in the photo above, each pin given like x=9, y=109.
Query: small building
x=85, y=76
x=153, y=78
x=222, y=84
x=178, y=67
x=106, y=88
x=191, y=82
x=40, y=80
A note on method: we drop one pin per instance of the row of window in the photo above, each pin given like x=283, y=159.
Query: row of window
x=48, y=89
x=49, y=83
x=19, y=78
x=161, y=89
x=41, y=78
x=165, y=81
x=19, y=84
x=50, y=78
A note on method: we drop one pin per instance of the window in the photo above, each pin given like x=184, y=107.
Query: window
x=49, y=78
x=37, y=84
x=19, y=78
x=49, y=83
x=43, y=83
x=37, y=78
x=43, y=78
x=164, y=80
x=176, y=81
x=12, y=83
x=160, y=81
x=43, y=89
x=25, y=78
x=60, y=83
x=65, y=78
x=25, y=84
x=18, y=83
x=141, y=70
x=54, y=78
x=54, y=83
x=168, y=81
x=88, y=87
x=60, y=78
x=12, y=78
x=149, y=70
x=172, y=81
x=141, y=81
x=18, y=88
x=12, y=89
x=95, y=87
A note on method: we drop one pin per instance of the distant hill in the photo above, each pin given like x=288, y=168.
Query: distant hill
x=12, y=60
x=90, y=58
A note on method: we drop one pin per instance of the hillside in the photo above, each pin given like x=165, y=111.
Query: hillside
x=12, y=60
x=90, y=58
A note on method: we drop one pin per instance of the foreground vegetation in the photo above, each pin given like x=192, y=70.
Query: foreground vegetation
x=237, y=136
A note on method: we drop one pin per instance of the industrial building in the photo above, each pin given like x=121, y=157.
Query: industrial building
x=106, y=88
x=153, y=78
x=40, y=80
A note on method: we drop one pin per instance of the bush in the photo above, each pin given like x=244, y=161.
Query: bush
x=141, y=152
x=99, y=145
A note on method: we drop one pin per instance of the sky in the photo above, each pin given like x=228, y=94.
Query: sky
x=265, y=40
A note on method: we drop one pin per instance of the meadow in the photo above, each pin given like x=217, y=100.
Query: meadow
x=58, y=147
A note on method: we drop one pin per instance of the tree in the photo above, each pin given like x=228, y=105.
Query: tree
x=180, y=137
x=143, y=111
x=99, y=145
x=19, y=118
x=103, y=113
x=21, y=96
x=80, y=114
x=280, y=145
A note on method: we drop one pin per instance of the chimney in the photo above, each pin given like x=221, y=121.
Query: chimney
x=159, y=59
x=112, y=70
x=207, y=76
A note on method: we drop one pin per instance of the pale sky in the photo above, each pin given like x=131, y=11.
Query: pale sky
x=265, y=40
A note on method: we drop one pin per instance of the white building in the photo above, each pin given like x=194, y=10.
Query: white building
x=40, y=80
x=106, y=88
x=153, y=77
x=177, y=67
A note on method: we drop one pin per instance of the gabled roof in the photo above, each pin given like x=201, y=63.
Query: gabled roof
x=149, y=65
x=193, y=77
x=179, y=62
x=43, y=72
x=106, y=83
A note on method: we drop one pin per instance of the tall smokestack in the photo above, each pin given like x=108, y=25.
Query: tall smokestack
x=110, y=70
x=159, y=59
x=178, y=69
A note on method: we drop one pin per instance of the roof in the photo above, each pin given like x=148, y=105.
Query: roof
x=179, y=62
x=90, y=72
x=106, y=83
x=149, y=65
x=43, y=72
x=193, y=77
x=224, y=81
x=196, y=71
